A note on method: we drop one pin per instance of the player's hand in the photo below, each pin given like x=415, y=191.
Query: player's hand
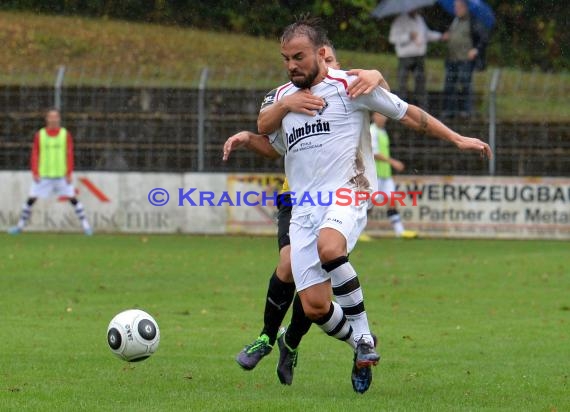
x=472, y=54
x=304, y=102
x=365, y=82
x=397, y=165
x=240, y=139
x=470, y=144
x=445, y=36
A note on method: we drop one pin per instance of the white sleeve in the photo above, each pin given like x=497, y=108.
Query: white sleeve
x=276, y=140
x=431, y=35
x=399, y=34
x=382, y=101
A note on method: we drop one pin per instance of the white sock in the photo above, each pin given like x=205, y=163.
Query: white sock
x=24, y=216
x=85, y=224
x=397, y=225
x=80, y=212
x=348, y=294
x=335, y=324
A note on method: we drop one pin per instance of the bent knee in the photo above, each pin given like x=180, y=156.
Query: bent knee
x=315, y=311
x=284, y=272
x=329, y=252
x=331, y=245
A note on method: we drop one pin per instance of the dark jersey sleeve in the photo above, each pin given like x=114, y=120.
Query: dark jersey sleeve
x=269, y=99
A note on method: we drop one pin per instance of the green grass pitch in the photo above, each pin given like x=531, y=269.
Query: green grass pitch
x=463, y=325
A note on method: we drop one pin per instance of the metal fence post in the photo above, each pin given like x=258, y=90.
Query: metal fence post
x=57, y=87
x=493, y=118
x=201, y=116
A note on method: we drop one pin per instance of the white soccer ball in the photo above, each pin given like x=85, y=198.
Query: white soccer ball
x=133, y=335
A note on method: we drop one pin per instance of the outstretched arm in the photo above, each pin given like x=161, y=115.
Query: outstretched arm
x=415, y=118
x=255, y=142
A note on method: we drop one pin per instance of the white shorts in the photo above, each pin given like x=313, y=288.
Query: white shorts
x=386, y=185
x=304, y=234
x=52, y=187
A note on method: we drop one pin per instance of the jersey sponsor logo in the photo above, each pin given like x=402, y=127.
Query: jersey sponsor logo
x=298, y=134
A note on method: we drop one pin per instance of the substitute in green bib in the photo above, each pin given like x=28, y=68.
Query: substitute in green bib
x=52, y=167
x=384, y=165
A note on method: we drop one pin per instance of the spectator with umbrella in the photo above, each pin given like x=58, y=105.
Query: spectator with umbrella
x=409, y=34
x=467, y=39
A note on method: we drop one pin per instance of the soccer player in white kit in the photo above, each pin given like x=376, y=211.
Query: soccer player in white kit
x=280, y=295
x=324, y=151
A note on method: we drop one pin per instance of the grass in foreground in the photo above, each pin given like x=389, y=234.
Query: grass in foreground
x=105, y=52
x=464, y=325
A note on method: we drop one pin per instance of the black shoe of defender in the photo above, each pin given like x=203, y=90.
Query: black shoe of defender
x=287, y=361
x=250, y=356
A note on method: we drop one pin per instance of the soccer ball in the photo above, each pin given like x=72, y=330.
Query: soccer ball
x=133, y=335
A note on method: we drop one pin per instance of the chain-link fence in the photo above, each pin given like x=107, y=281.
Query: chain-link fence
x=150, y=121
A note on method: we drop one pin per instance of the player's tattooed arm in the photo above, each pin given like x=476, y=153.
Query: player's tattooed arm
x=255, y=142
x=415, y=118
x=365, y=82
x=423, y=122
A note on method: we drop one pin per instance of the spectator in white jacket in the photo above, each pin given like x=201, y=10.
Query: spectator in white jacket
x=410, y=34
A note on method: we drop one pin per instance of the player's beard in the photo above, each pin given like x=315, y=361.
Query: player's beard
x=307, y=80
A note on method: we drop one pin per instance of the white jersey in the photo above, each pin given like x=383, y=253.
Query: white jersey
x=332, y=149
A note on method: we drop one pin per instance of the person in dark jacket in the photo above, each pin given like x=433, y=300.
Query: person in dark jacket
x=467, y=40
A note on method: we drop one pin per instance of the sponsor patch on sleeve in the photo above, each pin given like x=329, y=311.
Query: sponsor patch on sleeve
x=269, y=99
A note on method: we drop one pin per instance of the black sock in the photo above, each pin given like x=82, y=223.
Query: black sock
x=279, y=297
x=299, y=326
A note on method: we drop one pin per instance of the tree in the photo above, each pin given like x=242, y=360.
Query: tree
x=528, y=34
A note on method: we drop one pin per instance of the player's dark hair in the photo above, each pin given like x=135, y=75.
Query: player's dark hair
x=311, y=27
